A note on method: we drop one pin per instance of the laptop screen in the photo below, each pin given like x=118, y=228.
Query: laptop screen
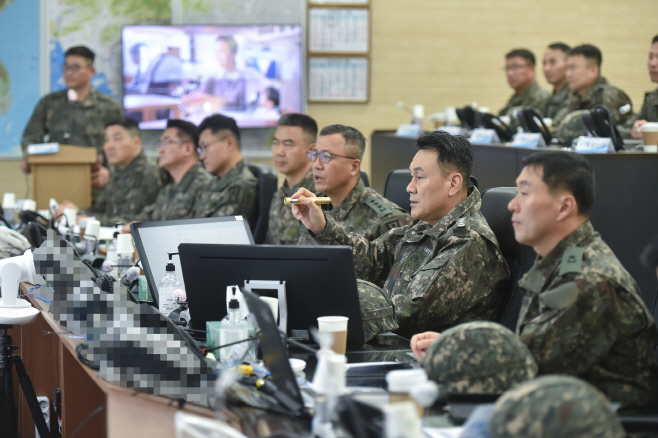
x=154, y=240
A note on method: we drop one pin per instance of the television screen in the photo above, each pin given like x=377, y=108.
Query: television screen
x=251, y=73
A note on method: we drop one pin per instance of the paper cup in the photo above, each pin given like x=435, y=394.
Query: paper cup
x=124, y=243
x=70, y=216
x=650, y=135
x=93, y=228
x=337, y=326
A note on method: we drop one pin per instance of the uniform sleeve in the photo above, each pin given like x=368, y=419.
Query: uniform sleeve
x=237, y=199
x=394, y=220
x=36, y=126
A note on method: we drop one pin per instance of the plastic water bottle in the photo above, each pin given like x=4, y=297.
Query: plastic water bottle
x=112, y=258
x=232, y=329
x=168, y=285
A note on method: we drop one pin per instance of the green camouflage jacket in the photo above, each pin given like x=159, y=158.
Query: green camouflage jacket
x=176, y=201
x=365, y=212
x=87, y=119
x=582, y=315
x=649, y=112
x=128, y=192
x=437, y=276
x=534, y=96
x=282, y=227
x=555, y=102
x=232, y=195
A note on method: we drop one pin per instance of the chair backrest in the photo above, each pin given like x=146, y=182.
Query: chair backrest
x=395, y=189
x=267, y=185
x=654, y=313
x=364, y=178
x=519, y=258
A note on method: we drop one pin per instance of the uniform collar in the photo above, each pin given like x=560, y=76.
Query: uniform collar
x=598, y=84
x=341, y=211
x=139, y=160
x=190, y=176
x=471, y=203
x=306, y=182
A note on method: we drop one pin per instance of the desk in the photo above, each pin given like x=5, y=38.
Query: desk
x=625, y=211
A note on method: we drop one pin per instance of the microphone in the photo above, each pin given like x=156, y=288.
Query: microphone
x=73, y=97
x=623, y=109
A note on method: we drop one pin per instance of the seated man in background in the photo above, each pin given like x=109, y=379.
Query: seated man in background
x=649, y=111
x=178, y=155
x=134, y=181
x=234, y=189
x=555, y=71
x=295, y=135
x=337, y=173
x=445, y=267
x=520, y=70
x=589, y=88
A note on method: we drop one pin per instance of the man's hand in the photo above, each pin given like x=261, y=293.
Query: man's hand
x=310, y=214
x=100, y=176
x=421, y=342
x=126, y=228
x=25, y=168
x=636, y=132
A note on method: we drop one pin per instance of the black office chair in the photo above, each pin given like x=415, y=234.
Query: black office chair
x=267, y=185
x=519, y=257
x=364, y=178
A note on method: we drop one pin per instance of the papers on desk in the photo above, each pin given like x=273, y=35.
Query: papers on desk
x=447, y=432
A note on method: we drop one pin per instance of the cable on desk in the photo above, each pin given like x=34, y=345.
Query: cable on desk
x=86, y=420
x=84, y=360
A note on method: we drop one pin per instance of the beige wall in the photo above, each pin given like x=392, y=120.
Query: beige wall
x=451, y=52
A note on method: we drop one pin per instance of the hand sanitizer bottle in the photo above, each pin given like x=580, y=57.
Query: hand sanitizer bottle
x=168, y=285
x=232, y=329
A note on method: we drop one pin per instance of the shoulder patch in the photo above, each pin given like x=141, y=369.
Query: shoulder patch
x=393, y=224
x=572, y=260
x=379, y=206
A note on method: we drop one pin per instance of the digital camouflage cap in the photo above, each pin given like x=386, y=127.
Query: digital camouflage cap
x=571, y=127
x=377, y=312
x=554, y=406
x=478, y=357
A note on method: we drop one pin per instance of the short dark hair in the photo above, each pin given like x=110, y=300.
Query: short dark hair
x=355, y=142
x=654, y=40
x=83, y=51
x=230, y=41
x=220, y=122
x=131, y=125
x=560, y=46
x=187, y=131
x=566, y=171
x=589, y=51
x=454, y=153
x=522, y=53
x=308, y=125
x=273, y=95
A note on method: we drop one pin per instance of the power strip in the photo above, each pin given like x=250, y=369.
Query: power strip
x=44, y=405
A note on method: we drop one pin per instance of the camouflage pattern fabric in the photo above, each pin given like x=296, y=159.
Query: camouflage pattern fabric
x=555, y=102
x=236, y=193
x=601, y=93
x=534, y=96
x=649, y=112
x=87, y=119
x=364, y=212
x=437, y=277
x=282, y=227
x=582, y=315
x=571, y=127
x=478, y=357
x=176, y=201
x=377, y=314
x=128, y=192
x=554, y=406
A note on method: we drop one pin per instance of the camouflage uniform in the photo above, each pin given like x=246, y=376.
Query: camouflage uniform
x=601, y=93
x=582, y=315
x=555, y=102
x=128, y=192
x=437, y=276
x=176, y=201
x=365, y=212
x=87, y=119
x=554, y=406
x=282, y=227
x=534, y=96
x=478, y=357
x=377, y=313
x=649, y=112
x=236, y=193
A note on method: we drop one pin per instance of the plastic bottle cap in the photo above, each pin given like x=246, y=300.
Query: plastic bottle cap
x=170, y=267
x=234, y=304
x=405, y=380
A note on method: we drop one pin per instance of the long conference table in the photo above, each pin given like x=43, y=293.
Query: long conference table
x=625, y=210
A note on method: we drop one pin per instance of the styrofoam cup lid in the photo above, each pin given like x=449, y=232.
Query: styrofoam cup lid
x=332, y=323
x=8, y=200
x=405, y=380
x=650, y=127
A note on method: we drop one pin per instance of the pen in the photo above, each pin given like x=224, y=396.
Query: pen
x=319, y=200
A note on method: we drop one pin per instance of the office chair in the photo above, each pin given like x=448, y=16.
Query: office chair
x=267, y=185
x=364, y=178
x=519, y=257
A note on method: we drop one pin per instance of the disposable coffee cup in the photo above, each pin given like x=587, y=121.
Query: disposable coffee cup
x=650, y=135
x=337, y=326
x=71, y=214
x=548, y=122
x=273, y=303
x=124, y=243
x=93, y=228
x=402, y=382
x=439, y=120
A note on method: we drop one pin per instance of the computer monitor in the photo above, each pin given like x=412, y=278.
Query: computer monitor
x=320, y=281
x=154, y=240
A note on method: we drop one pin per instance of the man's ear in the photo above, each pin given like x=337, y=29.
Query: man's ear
x=567, y=206
x=356, y=167
x=456, y=183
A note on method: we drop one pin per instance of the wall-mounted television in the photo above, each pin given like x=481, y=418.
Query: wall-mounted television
x=252, y=73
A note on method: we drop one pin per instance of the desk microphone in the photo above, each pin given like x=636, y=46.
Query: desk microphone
x=623, y=109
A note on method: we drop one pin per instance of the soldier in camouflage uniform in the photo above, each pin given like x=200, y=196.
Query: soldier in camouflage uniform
x=649, y=111
x=234, y=191
x=555, y=68
x=582, y=313
x=78, y=122
x=478, y=357
x=295, y=135
x=337, y=171
x=377, y=313
x=178, y=155
x=588, y=88
x=520, y=70
x=445, y=267
x=554, y=406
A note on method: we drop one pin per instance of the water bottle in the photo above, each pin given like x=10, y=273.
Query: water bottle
x=125, y=252
x=232, y=329
x=111, y=258
x=168, y=285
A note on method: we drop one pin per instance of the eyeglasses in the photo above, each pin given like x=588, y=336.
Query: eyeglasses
x=166, y=143
x=73, y=68
x=515, y=67
x=324, y=156
x=204, y=148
